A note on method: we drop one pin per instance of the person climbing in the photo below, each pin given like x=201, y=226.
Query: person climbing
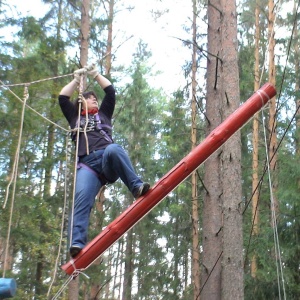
x=100, y=160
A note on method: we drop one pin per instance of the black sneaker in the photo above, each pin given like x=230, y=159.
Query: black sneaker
x=142, y=190
x=74, y=250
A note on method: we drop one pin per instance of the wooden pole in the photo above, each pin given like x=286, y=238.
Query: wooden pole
x=170, y=181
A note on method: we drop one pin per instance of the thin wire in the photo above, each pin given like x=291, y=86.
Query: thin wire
x=276, y=239
x=274, y=221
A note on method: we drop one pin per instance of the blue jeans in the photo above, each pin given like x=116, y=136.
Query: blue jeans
x=113, y=163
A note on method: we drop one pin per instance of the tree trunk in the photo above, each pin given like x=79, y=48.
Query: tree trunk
x=109, y=38
x=128, y=270
x=232, y=261
x=85, y=32
x=297, y=84
x=223, y=169
x=212, y=213
x=84, y=47
x=272, y=112
x=255, y=191
x=195, y=213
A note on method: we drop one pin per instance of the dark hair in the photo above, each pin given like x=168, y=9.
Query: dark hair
x=85, y=95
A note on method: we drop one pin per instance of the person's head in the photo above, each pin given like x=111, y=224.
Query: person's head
x=91, y=101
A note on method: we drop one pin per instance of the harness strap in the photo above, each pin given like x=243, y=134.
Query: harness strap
x=101, y=176
x=100, y=128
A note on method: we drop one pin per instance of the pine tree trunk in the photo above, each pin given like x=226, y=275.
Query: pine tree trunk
x=223, y=169
x=128, y=270
x=212, y=206
x=85, y=32
x=272, y=111
x=255, y=210
x=232, y=260
x=84, y=47
x=108, y=59
x=297, y=85
x=195, y=213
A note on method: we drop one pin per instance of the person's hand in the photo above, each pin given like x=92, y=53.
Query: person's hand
x=78, y=73
x=92, y=70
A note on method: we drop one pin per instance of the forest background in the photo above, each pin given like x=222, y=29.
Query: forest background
x=157, y=63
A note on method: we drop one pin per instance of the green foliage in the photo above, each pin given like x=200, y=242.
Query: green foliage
x=155, y=130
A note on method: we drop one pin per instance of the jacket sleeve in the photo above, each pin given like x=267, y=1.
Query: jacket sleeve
x=67, y=107
x=109, y=101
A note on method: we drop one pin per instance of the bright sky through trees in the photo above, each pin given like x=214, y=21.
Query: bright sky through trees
x=162, y=34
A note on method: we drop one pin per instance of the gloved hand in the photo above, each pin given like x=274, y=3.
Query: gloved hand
x=78, y=73
x=92, y=70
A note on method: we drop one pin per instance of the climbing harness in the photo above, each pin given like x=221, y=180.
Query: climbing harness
x=91, y=123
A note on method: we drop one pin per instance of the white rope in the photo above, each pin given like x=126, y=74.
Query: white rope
x=14, y=179
x=76, y=159
x=36, y=112
x=274, y=221
x=279, y=268
x=62, y=219
x=71, y=277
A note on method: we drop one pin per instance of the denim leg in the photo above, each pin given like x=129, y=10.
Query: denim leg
x=87, y=188
x=116, y=163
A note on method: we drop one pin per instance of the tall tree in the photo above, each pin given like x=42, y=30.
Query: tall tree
x=272, y=109
x=255, y=141
x=195, y=200
x=212, y=205
x=232, y=259
x=223, y=170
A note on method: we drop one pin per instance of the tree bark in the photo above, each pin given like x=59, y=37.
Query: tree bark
x=84, y=47
x=221, y=212
x=85, y=32
x=108, y=54
x=212, y=206
x=128, y=270
x=232, y=260
x=255, y=191
x=272, y=112
x=195, y=213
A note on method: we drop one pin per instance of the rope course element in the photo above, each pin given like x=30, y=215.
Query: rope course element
x=14, y=179
x=169, y=181
x=5, y=86
x=81, y=98
x=67, y=159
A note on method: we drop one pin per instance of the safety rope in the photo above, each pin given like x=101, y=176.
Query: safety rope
x=66, y=283
x=274, y=220
x=32, y=109
x=67, y=159
x=14, y=179
x=80, y=97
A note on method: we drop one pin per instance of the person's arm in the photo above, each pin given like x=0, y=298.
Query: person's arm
x=102, y=81
x=70, y=88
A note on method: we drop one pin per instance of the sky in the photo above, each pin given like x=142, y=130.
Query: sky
x=168, y=55
x=162, y=36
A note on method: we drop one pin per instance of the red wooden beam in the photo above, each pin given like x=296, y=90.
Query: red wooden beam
x=170, y=181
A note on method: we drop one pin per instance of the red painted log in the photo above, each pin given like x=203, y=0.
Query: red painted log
x=170, y=181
